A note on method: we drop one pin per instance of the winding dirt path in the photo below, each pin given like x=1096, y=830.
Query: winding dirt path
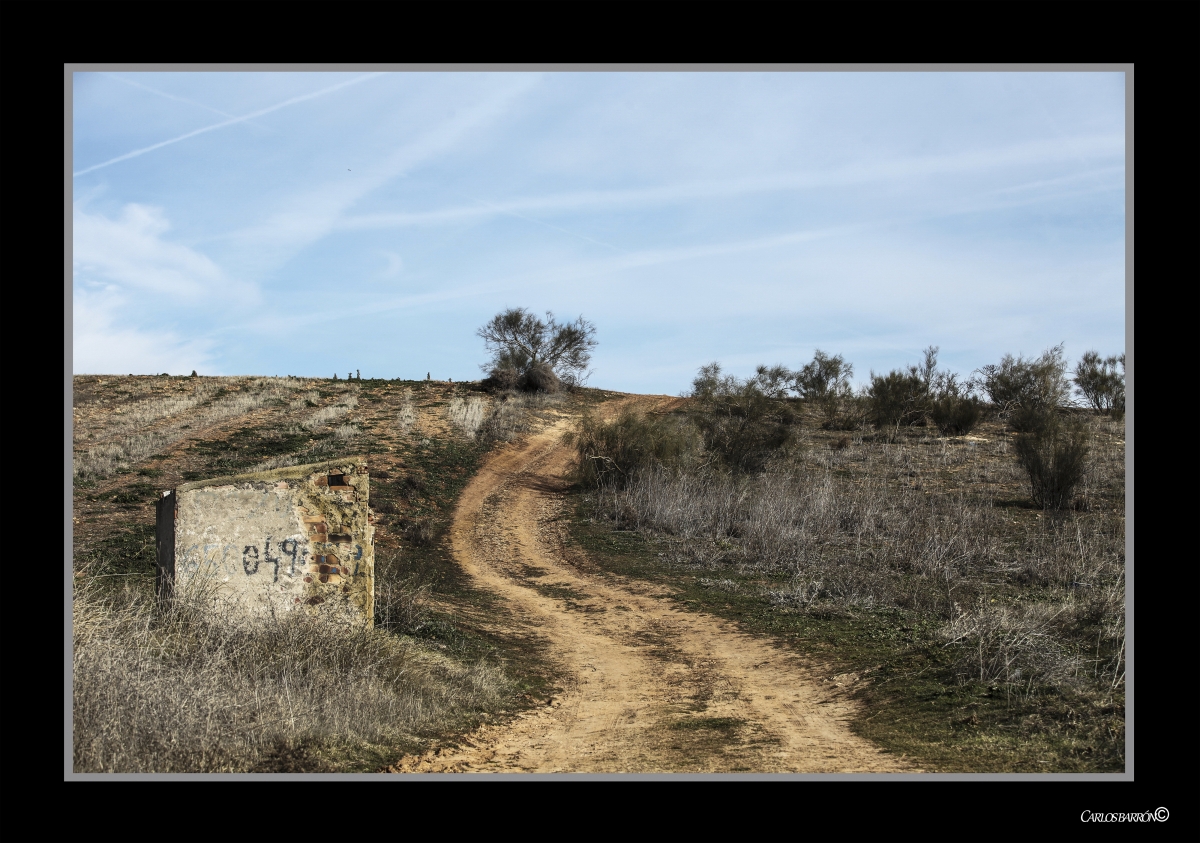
x=648, y=687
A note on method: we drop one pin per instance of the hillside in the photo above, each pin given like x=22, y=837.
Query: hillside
x=527, y=623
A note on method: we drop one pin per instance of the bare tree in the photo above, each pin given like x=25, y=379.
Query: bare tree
x=531, y=353
x=1098, y=380
x=825, y=384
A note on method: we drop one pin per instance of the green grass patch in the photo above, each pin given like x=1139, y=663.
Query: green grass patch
x=245, y=448
x=131, y=496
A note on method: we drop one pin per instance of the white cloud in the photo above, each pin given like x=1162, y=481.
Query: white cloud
x=102, y=346
x=131, y=252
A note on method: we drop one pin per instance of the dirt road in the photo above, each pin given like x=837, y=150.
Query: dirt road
x=648, y=687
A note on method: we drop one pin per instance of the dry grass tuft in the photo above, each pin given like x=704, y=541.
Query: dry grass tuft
x=326, y=415
x=514, y=414
x=407, y=416
x=467, y=414
x=174, y=691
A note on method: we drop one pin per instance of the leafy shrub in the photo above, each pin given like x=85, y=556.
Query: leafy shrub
x=1033, y=419
x=1055, y=458
x=502, y=378
x=1099, y=382
x=739, y=423
x=773, y=381
x=1027, y=391
x=955, y=415
x=540, y=377
x=612, y=453
x=825, y=384
x=952, y=407
x=897, y=398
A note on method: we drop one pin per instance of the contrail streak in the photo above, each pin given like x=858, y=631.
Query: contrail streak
x=230, y=122
x=169, y=96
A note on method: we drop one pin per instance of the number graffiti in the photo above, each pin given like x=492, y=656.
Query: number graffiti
x=289, y=552
x=253, y=556
x=246, y=559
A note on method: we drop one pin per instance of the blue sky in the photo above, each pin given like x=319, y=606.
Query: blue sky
x=311, y=223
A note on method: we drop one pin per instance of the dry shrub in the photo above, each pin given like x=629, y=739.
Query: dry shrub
x=1037, y=385
x=420, y=531
x=513, y=414
x=502, y=379
x=401, y=601
x=864, y=541
x=308, y=399
x=852, y=542
x=1015, y=646
x=346, y=431
x=467, y=415
x=326, y=415
x=508, y=420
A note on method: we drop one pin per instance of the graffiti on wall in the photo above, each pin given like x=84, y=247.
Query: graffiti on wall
x=287, y=557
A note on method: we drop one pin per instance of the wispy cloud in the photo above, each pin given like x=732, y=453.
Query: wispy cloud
x=555, y=274
x=660, y=257
x=308, y=217
x=302, y=98
x=1114, y=176
x=739, y=217
x=131, y=251
x=548, y=225
x=1097, y=147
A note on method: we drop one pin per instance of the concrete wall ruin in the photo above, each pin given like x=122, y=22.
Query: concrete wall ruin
x=293, y=538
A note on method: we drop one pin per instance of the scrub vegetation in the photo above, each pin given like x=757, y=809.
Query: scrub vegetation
x=952, y=548
x=961, y=542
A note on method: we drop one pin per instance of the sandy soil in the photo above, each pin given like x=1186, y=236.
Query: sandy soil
x=647, y=687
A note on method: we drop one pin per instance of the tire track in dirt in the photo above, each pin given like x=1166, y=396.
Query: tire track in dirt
x=647, y=687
